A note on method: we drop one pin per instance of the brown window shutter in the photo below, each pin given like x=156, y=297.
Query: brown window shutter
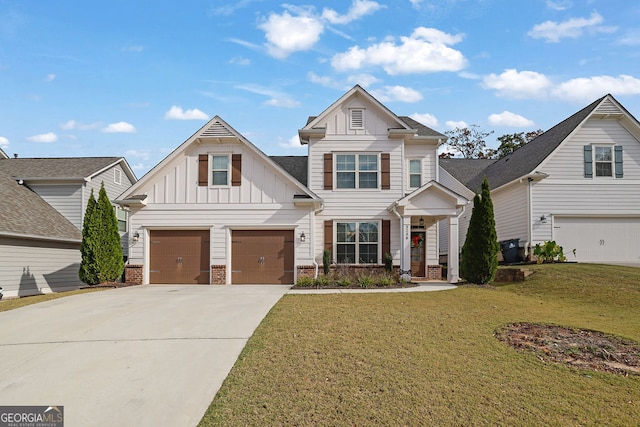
x=328, y=236
x=386, y=237
x=385, y=167
x=236, y=169
x=328, y=171
x=203, y=170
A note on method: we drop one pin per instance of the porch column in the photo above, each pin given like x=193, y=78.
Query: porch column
x=452, y=257
x=405, y=248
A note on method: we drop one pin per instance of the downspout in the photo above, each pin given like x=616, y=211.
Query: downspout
x=312, y=244
x=530, y=219
x=394, y=211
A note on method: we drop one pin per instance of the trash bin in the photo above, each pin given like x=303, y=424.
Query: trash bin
x=510, y=250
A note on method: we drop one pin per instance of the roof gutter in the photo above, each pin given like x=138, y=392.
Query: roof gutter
x=35, y=237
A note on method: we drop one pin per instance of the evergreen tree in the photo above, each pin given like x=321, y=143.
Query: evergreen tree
x=101, y=251
x=88, y=273
x=109, y=261
x=479, y=259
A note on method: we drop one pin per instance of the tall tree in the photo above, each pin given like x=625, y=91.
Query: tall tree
x=470, y=142
x=101, y=251
x=512, y=141
x=479, y=258
x=110, y=263
x=88, y=273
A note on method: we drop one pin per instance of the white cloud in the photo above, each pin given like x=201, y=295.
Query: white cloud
x=120, y=127
x=177, y=113
x=591, y=88
x=518, y=84
x=630, y=38
x=276, y=98
x=397, y=93
x=293, y=142
x=44, y=138
x=451, y=124
x=358, y=9
x=425, y=50
x=240, y=60
x=140, y=154
x=4, y=142
x=365, y=80
x=559, y=5
x=73, y=125
x=50, y=78
x=552, y=31
x=507, y=118
x=287, y=34
x=426, y=119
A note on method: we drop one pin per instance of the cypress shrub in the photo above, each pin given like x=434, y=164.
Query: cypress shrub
x=88, y=269
x=479, y=258
x=110, y=263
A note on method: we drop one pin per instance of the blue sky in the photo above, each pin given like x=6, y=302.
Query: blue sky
x=136, y=79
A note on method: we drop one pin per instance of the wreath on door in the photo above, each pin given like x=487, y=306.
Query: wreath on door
x=417, y=240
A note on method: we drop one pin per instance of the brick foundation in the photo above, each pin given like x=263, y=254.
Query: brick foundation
x=307, y=271
x=218, y=274
x=133, y=273
x=434, y=272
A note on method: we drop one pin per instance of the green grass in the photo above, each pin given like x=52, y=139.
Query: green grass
x=431, y=358
x=10, y=304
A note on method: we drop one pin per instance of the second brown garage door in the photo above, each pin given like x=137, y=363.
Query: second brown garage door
x=179, y=256
x=262, y=256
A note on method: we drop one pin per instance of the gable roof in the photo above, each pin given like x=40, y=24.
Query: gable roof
x=62, y=168
x=526, y=159
x=25, y=214
x=3, y=155
x=404, y=124
x=216, y=129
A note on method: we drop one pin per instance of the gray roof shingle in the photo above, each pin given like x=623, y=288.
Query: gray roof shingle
x=296, y=166
x=56, y=167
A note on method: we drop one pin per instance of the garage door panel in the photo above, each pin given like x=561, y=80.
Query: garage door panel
x=262, y=256
x=594, y=239
x=179, y=256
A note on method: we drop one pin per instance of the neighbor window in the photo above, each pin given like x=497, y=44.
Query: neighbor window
x=117, y=176
x=357, y=242
x=415, y=173
x=122, y=216
x=357, y=170
x=220, y=170
x=603, y=158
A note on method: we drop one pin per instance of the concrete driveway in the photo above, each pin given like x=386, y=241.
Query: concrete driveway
x=143, y=356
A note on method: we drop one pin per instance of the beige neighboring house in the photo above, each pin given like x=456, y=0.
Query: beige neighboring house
x=41, y=213
x=577, y=184
x=218, y=210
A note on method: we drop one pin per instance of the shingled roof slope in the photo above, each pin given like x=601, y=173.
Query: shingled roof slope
x=56, y=167
x=467, y=171
x=296, y=166
x=24, y=213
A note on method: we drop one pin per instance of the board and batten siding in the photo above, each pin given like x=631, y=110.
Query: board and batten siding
x=31, y=267
x=66, y=199
x=566, y=192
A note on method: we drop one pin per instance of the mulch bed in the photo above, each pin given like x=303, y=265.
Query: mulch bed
x=111, y=285
x=580, y=348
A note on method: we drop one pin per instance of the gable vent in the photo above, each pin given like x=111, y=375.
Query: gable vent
x=607, y=107
x=357, y=118
x=217, y=130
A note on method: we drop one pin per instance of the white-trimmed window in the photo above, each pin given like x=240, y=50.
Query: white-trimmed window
x=357, y=242
x=122, y=216
x=356, y=118
x=357, y=171
x=117, y=176
x=415, y=173
x=219, y=169
x=603, y=160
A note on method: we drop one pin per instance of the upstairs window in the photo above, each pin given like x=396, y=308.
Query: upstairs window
x=357, y=118
x=122, y=217
x=219, y=170
x=357, y=170
x=604, y=161
x=415, y=173
x=117, y=176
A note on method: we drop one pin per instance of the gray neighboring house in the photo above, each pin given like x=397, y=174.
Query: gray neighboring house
x=41, y=214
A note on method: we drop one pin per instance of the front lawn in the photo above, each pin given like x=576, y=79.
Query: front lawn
x=12, y=303
x=432, y=358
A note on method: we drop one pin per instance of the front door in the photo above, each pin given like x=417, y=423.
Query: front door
x=418, y=253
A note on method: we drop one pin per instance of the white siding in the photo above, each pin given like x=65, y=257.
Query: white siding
x=66, y=199
x=30, y=267
x=427, y=154
x=511, y=212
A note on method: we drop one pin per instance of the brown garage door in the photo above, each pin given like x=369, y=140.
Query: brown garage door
x=262, y=256
x=179, y=256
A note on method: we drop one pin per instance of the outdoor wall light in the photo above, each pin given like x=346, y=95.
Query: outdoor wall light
x=543, y=219
x=421, y=222
x=302, y=237
x=136, y=236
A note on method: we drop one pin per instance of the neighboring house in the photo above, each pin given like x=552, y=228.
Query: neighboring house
x=577, y=184
x=218, y=210
x=42, y=208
